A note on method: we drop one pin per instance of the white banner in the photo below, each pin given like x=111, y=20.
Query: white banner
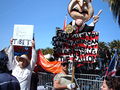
x=22, y=35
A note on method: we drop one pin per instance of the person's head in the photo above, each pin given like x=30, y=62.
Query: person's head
x=65, y=66
x=111, y=83
x=23, y=60
x=3, y=62
x=80, y=10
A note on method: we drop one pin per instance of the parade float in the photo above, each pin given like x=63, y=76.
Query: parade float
x=77, y=42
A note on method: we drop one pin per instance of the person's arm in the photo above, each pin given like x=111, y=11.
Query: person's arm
x=95, y=19
x=34, y=56
x=91, y=26
x=10, y=52
x=57, y=85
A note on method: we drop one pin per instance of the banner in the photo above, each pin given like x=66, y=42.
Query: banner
x=53, y=66
x=20, y=50
x=22, y=35
x=81, y=47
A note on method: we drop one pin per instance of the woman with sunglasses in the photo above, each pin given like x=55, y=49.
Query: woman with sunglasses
x=62, y=81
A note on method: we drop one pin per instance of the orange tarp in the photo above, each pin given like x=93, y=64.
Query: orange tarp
x=50, y=66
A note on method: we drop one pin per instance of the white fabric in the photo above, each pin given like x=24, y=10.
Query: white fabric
x=91, y=24
x=64, y=80
x=71, y=86
x=23, y=75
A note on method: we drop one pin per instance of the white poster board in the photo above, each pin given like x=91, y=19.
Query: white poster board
x=22, y=35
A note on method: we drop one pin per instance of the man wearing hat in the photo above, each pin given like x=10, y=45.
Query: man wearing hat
x=22, y=66
x=7, y=81
x=62, y=81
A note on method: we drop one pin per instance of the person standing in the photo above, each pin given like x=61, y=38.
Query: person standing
x=101, y=58
x=22, y=66
x=7, y=81
x=111, y=83
x=62, y=81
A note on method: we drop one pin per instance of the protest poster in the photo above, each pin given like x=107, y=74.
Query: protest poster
x=80, y=47
x=22, y=35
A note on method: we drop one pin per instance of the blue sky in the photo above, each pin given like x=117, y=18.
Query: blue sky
x=46, y=16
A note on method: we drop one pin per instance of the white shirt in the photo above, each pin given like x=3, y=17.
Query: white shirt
x=23, y=75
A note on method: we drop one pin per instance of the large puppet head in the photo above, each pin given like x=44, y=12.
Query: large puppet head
x=80, y=9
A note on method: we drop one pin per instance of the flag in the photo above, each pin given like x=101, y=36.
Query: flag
x=50, y=66
x=65, y=23
x=111, y=71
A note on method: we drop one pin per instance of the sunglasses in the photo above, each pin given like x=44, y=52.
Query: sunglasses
x=64, y=64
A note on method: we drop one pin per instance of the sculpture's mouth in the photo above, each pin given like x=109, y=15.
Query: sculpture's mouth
x=81, y=12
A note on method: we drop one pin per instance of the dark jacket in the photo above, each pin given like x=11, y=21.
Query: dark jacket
x=86, y=28
x=8, y=82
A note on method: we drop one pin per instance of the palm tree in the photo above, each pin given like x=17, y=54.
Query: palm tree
x=47, y=51
x=102, y=45
x=115, y=44
x=115, y=8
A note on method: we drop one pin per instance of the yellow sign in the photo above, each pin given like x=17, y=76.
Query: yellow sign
x=69, y=28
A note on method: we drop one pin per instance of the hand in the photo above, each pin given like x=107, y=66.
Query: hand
x=95, y=19
x=71, y=86
x=11, y=41
x=33, y=43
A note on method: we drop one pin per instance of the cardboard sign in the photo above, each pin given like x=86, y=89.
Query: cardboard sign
x=81, y=47
x=22, y=35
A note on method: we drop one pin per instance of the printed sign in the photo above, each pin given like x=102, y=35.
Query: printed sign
x=22, y=35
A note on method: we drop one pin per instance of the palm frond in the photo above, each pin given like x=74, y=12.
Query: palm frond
x=115, y=8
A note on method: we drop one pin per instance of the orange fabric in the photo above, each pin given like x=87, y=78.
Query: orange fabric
x=65, y=23
x=53, y=66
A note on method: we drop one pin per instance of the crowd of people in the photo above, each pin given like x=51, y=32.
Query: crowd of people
x=16, y=73
x=103, y=60
x=104, y=57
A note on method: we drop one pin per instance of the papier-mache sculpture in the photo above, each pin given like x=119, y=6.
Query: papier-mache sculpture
x=77, y=41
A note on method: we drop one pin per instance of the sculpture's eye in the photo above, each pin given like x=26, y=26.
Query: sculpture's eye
x=85, y=2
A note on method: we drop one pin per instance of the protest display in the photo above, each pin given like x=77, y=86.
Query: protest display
x=22, y=35
x=81, y=47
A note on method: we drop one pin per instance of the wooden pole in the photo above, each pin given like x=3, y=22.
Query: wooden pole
x=73, y=69
x=73, y=73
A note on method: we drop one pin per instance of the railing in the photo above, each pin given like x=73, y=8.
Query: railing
x=89, y=81
x=45, y=81
x=87, y=76
x=87, y=84
x=84, y=81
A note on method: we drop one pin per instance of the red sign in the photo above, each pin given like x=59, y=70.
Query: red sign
x=81, y=47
